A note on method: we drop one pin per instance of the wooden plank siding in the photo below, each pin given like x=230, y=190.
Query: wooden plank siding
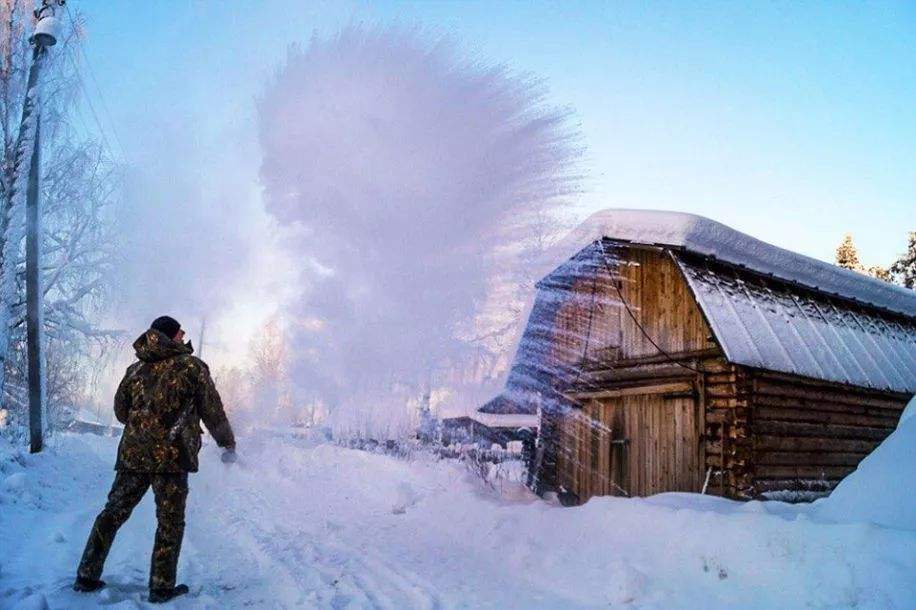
x=651, y=283
x=665, y=449
x=658, y=446
x=661, y=300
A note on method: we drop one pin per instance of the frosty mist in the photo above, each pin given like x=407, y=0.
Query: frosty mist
x=412, y=178
x=193, y=236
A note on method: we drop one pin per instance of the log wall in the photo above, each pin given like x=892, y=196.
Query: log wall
x=807, y=435
x=724, y=388
x=759, y=434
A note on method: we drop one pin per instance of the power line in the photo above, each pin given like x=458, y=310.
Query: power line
x=588, y=332
x=103, y=103
x=626, y=305
x=95, y=115
x=105, y=108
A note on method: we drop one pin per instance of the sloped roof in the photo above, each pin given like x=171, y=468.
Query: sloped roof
x=769, y=307
x=768, y=324
x=501, y=404
x=713, y=239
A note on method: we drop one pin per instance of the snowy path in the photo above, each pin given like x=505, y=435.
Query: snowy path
x=296, y=526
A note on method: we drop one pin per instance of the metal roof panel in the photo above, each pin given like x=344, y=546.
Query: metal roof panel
x=764, y=323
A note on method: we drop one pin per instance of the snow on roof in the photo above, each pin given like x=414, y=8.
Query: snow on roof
x=507, y=420
x=710, y=238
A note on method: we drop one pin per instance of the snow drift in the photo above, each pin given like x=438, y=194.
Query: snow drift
x=881, y=489
x=301, y=525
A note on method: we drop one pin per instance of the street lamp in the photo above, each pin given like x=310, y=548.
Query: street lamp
x=46, y=28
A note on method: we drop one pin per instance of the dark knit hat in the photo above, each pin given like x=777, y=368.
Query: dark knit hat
x=167, y=325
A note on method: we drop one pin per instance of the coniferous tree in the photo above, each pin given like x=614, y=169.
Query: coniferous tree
x=904, y=269
x=880, y=273
x=847, y=255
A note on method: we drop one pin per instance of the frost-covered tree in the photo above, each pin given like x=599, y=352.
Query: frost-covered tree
x=234, y=384
x=79, y=185
x=904, y=269
x=500, y=317
x=847, y=255
x=880, y=273
x=269, y=382
x=261, y=393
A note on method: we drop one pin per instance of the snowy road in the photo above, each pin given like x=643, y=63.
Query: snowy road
x=297, y=526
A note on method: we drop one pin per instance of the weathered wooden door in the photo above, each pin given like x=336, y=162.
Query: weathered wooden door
x=641, y=445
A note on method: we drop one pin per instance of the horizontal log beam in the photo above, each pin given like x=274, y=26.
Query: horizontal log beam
x=648, y=371
x=802, y=472
x=728, y=377
x=827, y=431
x=641, y=390
x=833, y=395
x=824, y=405
x=717, y=365
x=712, y=354
x=783, y=443
x=796, y=381
x=721, y=391
x=827, y=417
x=808, y=458
x=725, y=403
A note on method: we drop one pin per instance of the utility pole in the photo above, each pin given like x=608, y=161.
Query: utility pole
x=43, y=38
x=34, y=316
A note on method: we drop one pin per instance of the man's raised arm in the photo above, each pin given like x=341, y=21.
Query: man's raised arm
x=211, y=410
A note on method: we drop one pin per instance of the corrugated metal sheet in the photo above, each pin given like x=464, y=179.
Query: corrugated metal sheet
x=773, y=325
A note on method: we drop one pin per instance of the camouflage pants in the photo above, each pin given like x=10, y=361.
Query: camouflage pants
x=171, y=491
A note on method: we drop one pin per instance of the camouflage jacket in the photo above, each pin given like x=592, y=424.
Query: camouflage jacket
x=166, y=382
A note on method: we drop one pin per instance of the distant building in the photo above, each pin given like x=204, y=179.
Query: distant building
x=498, y=422
x=672, y=353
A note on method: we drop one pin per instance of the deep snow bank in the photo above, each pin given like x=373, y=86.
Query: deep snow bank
x=300, y=525
x=881, y=489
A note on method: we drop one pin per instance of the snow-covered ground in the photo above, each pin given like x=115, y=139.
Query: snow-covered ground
x=302, y=525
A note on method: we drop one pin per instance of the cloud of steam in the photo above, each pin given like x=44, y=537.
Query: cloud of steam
x=194, y=240
x=410, y=176
x=184, y=236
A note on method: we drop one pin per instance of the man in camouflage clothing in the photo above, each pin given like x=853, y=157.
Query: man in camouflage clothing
x=161, y=402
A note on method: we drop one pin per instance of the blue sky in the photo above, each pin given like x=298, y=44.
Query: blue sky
x=791, y=122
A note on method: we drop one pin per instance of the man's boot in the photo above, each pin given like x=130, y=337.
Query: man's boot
x=87, y=585
x=158, y=596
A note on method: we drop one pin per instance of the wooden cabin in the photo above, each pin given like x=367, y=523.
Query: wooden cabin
x=672, y=353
